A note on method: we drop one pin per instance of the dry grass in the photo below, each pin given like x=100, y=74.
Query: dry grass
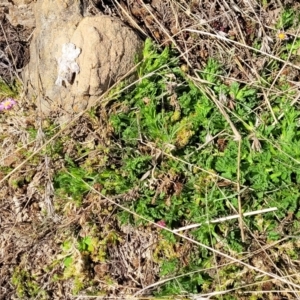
x=34, y=223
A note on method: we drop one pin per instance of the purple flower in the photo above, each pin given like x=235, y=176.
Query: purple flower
x=7, y=104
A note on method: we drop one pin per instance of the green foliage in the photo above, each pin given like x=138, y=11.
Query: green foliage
x=163, y=162
x=78, y=254
x=26, y=285
x=75, y=181
x=293, y=46
x=152, y=60
x=168, y=267
x=9, y=90
x=178, y=119
x=69, y=183
x=287, y=19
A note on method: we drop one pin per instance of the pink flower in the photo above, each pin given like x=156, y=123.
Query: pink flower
x=7, y=104
x=161, y=223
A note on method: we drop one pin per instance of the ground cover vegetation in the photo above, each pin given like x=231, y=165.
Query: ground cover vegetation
x=183, y=184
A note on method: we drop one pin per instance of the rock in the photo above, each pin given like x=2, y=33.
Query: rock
x=4, y=9
x=22, y=2
x=22, y=15
x=19, y=12
x=56, y=22
x=107, y=52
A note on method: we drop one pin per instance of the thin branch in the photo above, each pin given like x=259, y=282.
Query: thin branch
x=224, y=219
x=242, y=45
x=241, y=223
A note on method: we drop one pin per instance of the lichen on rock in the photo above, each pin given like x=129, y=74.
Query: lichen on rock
x=67, y=65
